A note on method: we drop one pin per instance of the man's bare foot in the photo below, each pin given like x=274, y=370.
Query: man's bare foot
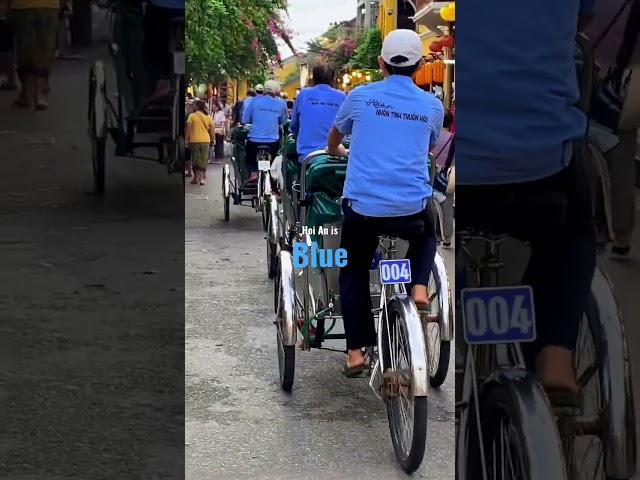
x=555, y=370
x=420, y=295
x=355, y=358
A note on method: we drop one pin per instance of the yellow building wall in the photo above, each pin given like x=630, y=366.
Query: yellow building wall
x=387, y=22
x=291, y=89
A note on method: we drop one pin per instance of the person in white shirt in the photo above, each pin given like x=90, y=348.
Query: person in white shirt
x=220, y=129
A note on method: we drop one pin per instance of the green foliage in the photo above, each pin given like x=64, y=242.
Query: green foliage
x=230, y=37
x=368, y=50
x=336, y=46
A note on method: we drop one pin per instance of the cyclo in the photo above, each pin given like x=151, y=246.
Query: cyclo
x=128, y=116
x=308, y=302
x=236, y=184
x=506, y=426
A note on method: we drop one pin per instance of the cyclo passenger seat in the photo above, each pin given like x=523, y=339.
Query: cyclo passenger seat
x=323, y=183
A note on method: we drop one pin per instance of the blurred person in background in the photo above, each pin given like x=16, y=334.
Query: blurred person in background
x=35, y=26
x=615, y=31
x=7, y=51
x=444, y=161
x=198, y=136
x=190, y=107
x=265, y=114
x=314, y=111
x=220, y=131
x=251, y=95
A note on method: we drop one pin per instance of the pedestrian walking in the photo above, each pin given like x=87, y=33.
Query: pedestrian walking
x=35, y=28
x=7, y=50
x=199, y=134
x=190, y=108
x=220, y=130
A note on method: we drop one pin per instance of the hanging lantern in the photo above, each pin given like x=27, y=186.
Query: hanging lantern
x=448, y=13
x=436, y=46
x=447, y=42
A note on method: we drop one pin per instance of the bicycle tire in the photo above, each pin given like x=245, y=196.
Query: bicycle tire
x=437, y=379
x=272, y=251
x=498, y=403
x=410, y=459
x=595, y=340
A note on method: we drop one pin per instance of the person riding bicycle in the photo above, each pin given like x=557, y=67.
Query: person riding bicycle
x=393, y=124
x=519, y=144
x=265, y=113
x=314, y=111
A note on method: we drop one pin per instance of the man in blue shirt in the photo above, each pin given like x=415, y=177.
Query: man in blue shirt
x=518, y=149
x=393, y=124
x=314, y=111
x=265, y=113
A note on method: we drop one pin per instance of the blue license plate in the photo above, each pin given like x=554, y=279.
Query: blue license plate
x=498, y=315
x=395, y=271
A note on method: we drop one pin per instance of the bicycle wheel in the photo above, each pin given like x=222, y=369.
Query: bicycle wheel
x=438, y=350
x=272, y=250
x=406, y=413
x=585, y=438
x=509, y=454
x=226, y=194
x=264, y=204
x=284, y=309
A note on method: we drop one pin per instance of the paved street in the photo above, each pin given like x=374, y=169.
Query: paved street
x=239, y=424
x=91, y=299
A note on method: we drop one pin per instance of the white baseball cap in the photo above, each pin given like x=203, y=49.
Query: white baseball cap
x=259, y=88
x=272, y=86
x=402, y=48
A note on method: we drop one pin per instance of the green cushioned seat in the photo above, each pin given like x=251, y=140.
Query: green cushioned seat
x=290, y=162
x=239, y=138
x=326, y=174
x=324, y=183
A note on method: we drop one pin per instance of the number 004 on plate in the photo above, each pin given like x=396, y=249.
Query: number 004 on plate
x=498, y=315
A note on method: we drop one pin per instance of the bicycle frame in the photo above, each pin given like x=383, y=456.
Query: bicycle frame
x=398, y=293
x=497, y=363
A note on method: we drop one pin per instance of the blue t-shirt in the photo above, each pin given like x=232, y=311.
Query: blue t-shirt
x=516, y=87
x=245, y=104
x=392, y=124
x=313, y=114
x=265, y=114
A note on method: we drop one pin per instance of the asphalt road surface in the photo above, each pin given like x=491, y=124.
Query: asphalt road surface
x=91, y=299
x=239, y=424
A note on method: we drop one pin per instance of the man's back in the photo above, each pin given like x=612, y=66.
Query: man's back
x=265, y=113
x=393, y=123
x=519, y=118
x=313, y=114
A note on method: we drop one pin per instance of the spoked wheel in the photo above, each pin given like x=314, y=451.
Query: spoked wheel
x=507, y=451
x=97, y=125
x=276, y=287
x=438, y=350
x=264, y=212
x=583, y=437
x=226, y=194
x=272, y=251
x=286, y=353
x=98, y=160
x=407, y=414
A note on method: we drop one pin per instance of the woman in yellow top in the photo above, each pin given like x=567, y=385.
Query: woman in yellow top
x=199, y=134
x=35, y=25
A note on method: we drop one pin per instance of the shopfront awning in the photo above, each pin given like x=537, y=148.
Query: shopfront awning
x=429, y=16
